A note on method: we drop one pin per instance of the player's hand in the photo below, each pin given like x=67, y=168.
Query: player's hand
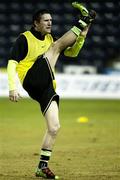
x=91, y=17
x=14, y=95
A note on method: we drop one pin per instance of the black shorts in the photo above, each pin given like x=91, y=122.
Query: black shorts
x=38, y=83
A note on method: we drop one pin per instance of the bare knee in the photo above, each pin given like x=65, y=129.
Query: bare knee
x=53, y=130
x=58, y=45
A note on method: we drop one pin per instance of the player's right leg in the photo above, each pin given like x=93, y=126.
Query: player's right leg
x=53, y=125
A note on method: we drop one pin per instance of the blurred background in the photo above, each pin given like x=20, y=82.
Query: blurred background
x=101, y=52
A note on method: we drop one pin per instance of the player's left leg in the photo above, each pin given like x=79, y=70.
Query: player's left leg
x=53, y=125
x=58, y=46
x=69, y=38
x=84, y=15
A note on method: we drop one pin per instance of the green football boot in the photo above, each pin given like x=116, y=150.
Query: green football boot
x=81, y=8
x=45, y=173
x=86, y=17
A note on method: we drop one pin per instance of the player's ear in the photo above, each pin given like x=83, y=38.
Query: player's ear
x=36, y=23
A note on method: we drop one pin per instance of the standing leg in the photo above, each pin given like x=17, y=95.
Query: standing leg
x=53, y=125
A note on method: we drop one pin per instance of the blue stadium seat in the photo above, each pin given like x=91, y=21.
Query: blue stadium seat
x=2, y=41
x=3, y=18
x=98, y=29
x=41, y=5
x=111, y=6
x=27, y=18
x=56, y=7
x=67, y=8
x=15, y=7
x=27, y=7
x=15, y=18
x=3, y=7
x=111, y=29
x=3, y=30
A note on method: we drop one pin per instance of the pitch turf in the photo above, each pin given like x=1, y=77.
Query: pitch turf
x=83, y=151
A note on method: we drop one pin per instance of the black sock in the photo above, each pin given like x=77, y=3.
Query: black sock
x=42, y=164
x=44, y=158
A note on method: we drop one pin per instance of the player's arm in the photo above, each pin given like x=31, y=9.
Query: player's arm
x=18, y=53
x=11, y=70
x=77, y=46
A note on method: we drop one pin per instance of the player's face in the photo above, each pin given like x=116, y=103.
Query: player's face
x=44, y=25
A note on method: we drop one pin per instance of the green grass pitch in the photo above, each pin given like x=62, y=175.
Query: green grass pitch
x=83, y=151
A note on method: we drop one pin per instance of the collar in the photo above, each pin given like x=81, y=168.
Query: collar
x=37, y=34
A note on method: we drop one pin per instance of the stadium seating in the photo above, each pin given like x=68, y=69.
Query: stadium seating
x=101, y=44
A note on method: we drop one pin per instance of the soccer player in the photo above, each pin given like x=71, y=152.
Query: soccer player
x=33, y=57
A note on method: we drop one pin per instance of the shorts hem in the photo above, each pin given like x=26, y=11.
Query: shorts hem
x=55, y=95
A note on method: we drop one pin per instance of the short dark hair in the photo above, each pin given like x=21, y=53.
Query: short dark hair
x=37, y=15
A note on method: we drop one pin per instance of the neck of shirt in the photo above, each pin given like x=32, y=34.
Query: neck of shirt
x=37, y=34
